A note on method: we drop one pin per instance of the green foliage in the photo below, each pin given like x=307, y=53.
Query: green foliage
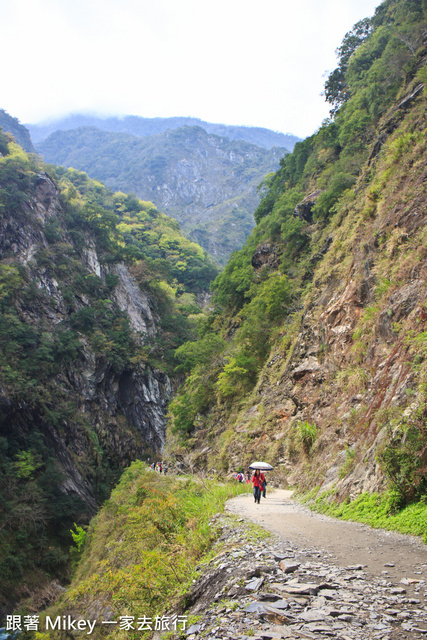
x=238, y=375
x=198, y=393
x=378, y=59
x=141, y=549
x=306, y=435
x=232, y=286
x=404, y=460
x=377, y=510
x=18, y=173
x=127, y=228
x=79, y=535
x=40, y=360
x=35, y=516
x=336, y=91
x=4, y=142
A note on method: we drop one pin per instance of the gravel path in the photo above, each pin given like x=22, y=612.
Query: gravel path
x=315, y=578
x=343, y=542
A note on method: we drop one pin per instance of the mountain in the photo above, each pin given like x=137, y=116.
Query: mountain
x=138, y=126
x=312, y=352
x=314, y=356
x=19, y=132
x=208, y=183
x=96, y=292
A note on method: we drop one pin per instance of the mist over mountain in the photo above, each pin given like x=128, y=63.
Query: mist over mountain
x=139, y=126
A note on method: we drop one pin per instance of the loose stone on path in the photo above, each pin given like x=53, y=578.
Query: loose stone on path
x=254, y=590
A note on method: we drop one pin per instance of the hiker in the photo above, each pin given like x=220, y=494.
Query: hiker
x=264, y=484
x=257, y=481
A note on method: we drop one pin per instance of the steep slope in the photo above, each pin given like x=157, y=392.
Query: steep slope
x=96, y=290
x=209, y=184
x=138, y=126
x=19, y=132
x=144, y=544
x=316, y=348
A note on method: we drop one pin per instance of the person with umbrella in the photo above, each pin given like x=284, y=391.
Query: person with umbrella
x=258, y=479
x=258, y=482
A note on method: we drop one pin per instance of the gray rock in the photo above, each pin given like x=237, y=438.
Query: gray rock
x=255, y=607
x=195, y=628
x=254, y=584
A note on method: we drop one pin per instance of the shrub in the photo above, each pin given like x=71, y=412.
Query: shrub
x=306, y=434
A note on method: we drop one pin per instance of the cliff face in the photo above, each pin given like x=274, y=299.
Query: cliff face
x=139, y=393
x=78, y=399
x=322, y=315
x=340, y=402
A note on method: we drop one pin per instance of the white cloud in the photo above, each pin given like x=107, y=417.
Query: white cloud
x=231, y=61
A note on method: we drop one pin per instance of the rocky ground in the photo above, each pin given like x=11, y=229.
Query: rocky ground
x=264, y=586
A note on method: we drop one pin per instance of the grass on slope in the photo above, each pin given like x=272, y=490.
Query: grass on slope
x=376, y=510
x=141, y=550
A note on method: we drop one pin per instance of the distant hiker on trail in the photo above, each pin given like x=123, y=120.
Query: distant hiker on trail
x=257, y=481
x=248, y=478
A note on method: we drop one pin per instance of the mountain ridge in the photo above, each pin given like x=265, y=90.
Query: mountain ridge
x=140, y=126
x=206, y=182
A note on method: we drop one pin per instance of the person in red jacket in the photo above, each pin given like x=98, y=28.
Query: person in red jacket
x=258, y=480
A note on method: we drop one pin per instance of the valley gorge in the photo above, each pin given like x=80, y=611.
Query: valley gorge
x=121, y=344
x=206, y=182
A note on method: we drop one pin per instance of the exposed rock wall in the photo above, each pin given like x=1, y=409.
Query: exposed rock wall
x=124, y=410
x=351, y=370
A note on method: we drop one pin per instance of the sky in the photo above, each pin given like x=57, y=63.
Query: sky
x=241, y=62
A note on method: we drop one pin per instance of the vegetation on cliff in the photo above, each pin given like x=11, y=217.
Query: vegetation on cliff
x=208, y=183
x=18, y=131
x=314, y=351
x=70, y=354
x=314, y=355
x=139, y=555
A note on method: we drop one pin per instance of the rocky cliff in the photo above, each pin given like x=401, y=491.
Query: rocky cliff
x=79, y=397
x=138, y=393
x=340, y=401
x=322, y=314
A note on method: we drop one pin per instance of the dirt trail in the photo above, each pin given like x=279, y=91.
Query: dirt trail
x=343, y=543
